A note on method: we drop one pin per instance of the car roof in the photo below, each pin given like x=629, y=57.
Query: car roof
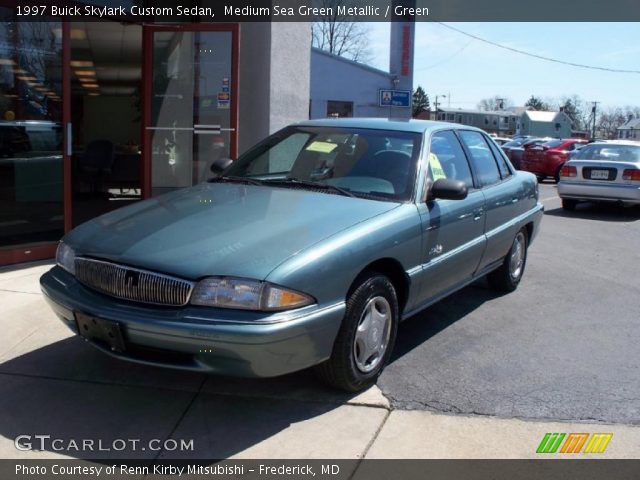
x=616, y=142
x=413, y=125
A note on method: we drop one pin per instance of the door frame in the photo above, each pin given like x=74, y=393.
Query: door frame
x=147, y=87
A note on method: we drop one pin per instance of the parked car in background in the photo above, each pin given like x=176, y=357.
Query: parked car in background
x=306, y=251
x=513, y=143
x=501, y=140
x=516, y=154
x=602, y=172
x=546, y=160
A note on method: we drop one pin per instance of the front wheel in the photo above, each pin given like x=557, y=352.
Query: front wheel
x=507, y=277
x=366, y=337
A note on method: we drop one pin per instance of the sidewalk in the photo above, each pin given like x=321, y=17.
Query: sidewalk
x=54, y=384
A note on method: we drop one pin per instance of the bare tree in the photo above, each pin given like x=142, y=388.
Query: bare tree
x=339, y=35
x=497, y=102
x=611, y=118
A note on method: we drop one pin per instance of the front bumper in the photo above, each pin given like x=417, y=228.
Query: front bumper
x=599, y=192
x=248, y=344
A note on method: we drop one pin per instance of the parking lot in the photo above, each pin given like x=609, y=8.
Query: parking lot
x=563, y=347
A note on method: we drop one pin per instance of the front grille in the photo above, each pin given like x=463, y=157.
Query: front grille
x=130, y=283
x=612, y=173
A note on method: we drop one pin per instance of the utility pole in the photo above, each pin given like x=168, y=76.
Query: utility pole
x=593, y=113
x=436, y=104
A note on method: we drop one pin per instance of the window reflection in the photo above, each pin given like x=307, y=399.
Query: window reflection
x=31, y=178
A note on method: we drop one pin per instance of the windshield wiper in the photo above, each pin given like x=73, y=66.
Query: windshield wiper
x=232, y=179
x=308, y=184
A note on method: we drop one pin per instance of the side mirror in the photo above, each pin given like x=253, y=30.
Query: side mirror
x=220, y=165
x=449, y=189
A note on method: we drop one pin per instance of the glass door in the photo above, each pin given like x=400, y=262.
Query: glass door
x=191, y=117
x=31, y=137
x=106, y=111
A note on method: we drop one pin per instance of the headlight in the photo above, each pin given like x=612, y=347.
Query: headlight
x=244, y=294
x=65, y=257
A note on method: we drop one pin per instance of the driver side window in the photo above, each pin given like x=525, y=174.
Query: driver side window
x=447, y=159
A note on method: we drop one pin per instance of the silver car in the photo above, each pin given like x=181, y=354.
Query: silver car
x=602, y=172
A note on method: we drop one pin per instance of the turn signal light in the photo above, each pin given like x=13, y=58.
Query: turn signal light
x=632, y=174
x=569, y=171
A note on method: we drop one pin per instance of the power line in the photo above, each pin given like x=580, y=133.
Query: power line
x=539, y=57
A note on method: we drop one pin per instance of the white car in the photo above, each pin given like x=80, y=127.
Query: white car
x=602, y=172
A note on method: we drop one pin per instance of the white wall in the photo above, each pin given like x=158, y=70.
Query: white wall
x=334, y=79
x=274, y=78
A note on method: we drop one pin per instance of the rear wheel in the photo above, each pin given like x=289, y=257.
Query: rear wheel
x=556, y=177
x=508, y=276
x=366, y=337
x=569, y=205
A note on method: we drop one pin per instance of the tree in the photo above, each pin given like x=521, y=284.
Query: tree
x=497, y=102
x=420, y=102
x=536, y=104
x=336, y=34
x=578, y=110
x=609, y=120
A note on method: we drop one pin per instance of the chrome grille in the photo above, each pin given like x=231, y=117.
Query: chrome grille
x=131, y=283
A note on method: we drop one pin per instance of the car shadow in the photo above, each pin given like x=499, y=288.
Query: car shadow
x=70, y=391
x=606, y=212
x=426, y=324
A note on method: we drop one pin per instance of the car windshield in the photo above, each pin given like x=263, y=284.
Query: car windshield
x=610, y=152
x=377, y=164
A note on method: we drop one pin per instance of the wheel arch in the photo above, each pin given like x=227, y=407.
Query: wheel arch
x=396, y=274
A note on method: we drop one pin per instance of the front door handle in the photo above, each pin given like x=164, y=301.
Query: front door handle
x=477, y=214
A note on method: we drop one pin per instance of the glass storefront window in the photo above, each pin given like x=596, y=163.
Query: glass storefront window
x=31, y=172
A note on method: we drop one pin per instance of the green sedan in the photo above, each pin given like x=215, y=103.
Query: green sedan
x=307, y=251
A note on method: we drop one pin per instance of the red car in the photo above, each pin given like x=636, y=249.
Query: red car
x=547, y=159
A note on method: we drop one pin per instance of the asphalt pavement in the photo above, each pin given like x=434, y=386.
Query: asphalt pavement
x=564, y=346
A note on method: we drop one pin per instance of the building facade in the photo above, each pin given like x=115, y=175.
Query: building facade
x=344, y=88
x=501, y=123
x=545, y=124
x=630, y=130
x=98, y=115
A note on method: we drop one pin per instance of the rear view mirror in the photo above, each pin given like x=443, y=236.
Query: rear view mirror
x=449, y=189
x=220, y=165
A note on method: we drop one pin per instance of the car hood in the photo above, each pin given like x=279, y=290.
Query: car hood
x=220, y=229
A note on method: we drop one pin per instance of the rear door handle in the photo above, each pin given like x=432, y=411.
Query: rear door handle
x=514, y=200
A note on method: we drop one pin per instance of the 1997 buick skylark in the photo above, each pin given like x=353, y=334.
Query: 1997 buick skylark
x=306, y=251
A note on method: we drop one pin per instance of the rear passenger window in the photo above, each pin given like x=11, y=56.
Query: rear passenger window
x=447, y=159
x=481, y=158
x=501, y=158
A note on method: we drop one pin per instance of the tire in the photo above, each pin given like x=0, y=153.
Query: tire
x=569, y=205
x=350, y=367
x=556, y=176
x=507, y=277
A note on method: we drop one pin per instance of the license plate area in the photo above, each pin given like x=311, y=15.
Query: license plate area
x=104, y=332
x=600, y=174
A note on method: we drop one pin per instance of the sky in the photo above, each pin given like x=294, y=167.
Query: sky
x=467, y=70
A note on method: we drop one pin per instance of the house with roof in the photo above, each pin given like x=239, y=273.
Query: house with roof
x=544, y=124
x=344, y=88
x=630, y=130
x=500, y=122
